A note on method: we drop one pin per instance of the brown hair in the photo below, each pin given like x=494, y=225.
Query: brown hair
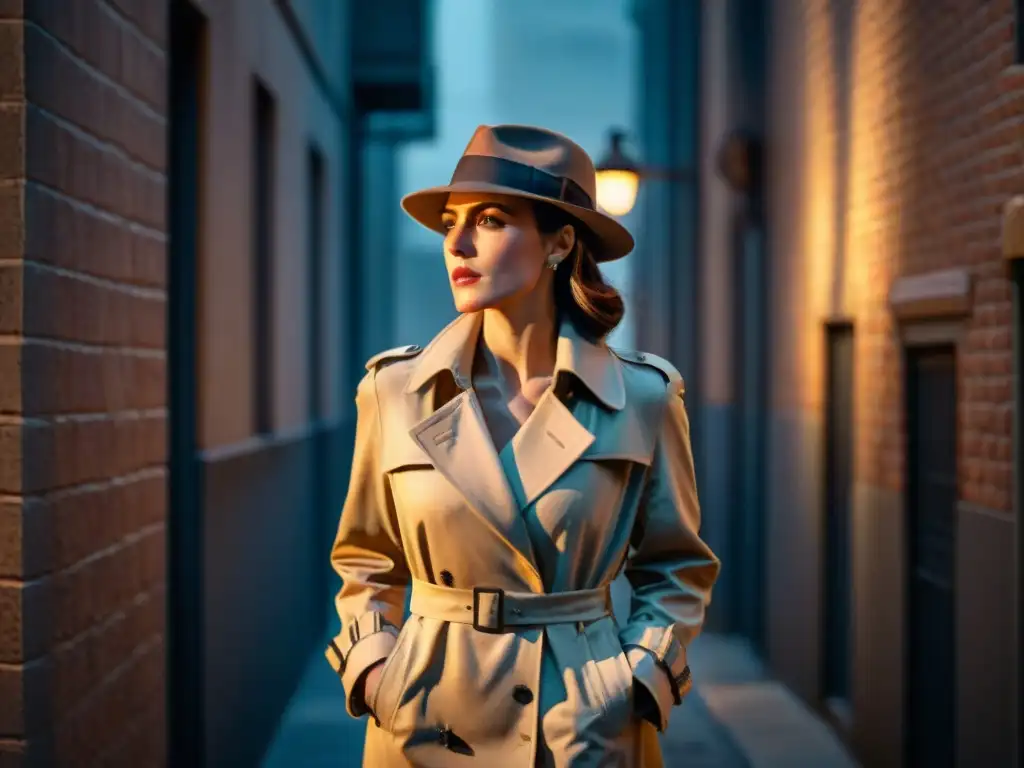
x=593, y=306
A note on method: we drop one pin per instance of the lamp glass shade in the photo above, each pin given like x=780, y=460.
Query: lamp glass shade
x=616, y=190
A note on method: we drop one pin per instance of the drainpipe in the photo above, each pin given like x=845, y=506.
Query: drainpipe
x=1013, y=252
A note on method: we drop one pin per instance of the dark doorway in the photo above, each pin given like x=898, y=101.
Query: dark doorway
x=1017, y=274
x=751, y=403
x=315, y=251
x=324, y=531
x=185, y=685
x=931, y=537
x=837, y=608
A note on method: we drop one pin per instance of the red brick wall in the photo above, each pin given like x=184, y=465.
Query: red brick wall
x=934, y=134
x=894, y=143
x=82, y=381
x=950, y=127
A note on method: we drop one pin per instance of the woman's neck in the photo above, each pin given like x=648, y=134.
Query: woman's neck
x=519, y=343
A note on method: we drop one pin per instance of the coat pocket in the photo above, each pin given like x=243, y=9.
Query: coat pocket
x=611, y=668
x=386, y=696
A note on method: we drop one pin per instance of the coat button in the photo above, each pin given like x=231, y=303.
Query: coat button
x=522, y=694
x=447, y=579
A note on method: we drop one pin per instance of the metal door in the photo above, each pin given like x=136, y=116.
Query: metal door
x=931, y=537
x=838, y=488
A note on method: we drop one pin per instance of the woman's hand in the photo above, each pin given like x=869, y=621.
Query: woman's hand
x=644, y=705
x=371, y=681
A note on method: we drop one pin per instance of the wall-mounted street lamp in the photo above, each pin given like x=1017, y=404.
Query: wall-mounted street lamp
x=739, y=162
x=619, y=176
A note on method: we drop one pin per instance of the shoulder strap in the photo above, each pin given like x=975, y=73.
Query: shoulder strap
x=395, y=353
x=660, y=364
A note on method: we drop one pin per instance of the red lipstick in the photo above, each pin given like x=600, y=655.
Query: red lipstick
x=464, y=276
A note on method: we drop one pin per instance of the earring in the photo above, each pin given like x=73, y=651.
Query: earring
x=552, y=262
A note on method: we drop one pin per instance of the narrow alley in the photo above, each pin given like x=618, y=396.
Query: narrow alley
x=203, y=243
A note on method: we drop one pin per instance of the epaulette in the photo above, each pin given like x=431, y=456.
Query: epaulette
x=396, y=353
x=660, y=364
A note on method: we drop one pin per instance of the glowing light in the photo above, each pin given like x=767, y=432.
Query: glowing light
x=617, y=190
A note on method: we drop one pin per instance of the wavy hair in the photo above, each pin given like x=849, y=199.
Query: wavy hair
x=594, y=306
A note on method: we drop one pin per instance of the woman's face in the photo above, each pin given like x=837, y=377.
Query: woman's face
x=494, y=253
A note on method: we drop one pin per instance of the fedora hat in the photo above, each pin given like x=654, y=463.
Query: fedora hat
x=532, y=163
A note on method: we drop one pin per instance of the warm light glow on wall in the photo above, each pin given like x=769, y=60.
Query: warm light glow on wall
x=616, y=191
x=877, y=194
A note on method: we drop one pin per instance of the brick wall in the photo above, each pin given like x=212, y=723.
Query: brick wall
x=939, y=104
x=894, y=141
x=933, y=135
x=82, y=381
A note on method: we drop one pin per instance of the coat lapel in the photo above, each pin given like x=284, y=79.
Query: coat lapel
x=456, y=440
x=546, y=446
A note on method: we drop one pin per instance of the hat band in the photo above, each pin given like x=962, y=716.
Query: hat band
x=525, y=178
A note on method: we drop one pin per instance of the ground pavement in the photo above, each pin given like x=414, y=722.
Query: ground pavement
x=734, y=718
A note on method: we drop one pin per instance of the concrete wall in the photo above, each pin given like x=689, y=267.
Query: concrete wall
x=247, y=41
x=269, y=501
x=665, y=266
x=378, y=246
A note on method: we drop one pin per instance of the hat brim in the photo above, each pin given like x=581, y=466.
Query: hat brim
x=427, y=205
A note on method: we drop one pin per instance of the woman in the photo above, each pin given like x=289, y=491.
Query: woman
x=504, y=475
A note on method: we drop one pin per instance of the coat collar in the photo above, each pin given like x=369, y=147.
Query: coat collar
x=499, y=485
x=453, y=350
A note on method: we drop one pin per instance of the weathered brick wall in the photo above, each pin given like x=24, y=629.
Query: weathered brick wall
x=937, y=113
x=933, y=130
x=801, y=200
x=82, y=381
x=894, y=143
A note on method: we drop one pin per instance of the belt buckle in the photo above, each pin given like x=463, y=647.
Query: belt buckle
x=500, y=593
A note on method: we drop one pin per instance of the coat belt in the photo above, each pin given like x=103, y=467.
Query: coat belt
x=493, y=610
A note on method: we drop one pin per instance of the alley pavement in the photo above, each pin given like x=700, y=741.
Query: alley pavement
x=734, y=718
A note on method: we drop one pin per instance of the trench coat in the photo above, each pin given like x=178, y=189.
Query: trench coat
x=510, y=655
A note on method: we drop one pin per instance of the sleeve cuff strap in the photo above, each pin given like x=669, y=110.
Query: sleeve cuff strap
x=334, y=657
x=665, y=646
x=364, y=654
x=647, y=672
x=340, y=647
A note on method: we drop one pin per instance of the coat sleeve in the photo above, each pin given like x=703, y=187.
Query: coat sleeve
x=671, y=570
x=368, y=555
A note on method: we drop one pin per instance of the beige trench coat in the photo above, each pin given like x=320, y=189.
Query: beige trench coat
x=600, y=477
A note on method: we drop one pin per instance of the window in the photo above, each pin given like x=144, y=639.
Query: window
x=315, y=246
x=264, y=155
